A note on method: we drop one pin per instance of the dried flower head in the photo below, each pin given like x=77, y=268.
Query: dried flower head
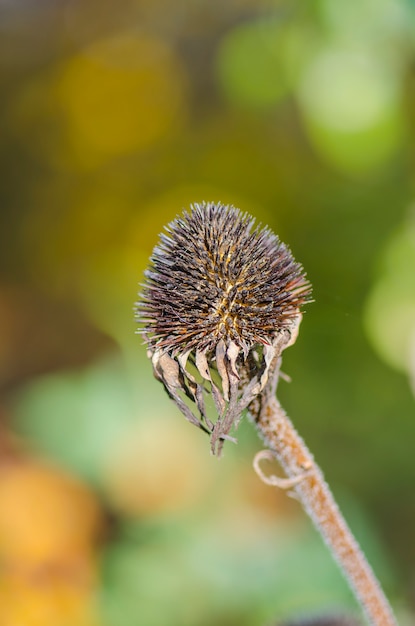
x=218, y=292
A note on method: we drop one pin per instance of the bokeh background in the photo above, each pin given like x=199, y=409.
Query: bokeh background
x=114, y=116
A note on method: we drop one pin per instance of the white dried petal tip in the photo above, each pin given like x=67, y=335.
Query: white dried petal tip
x=294, y=329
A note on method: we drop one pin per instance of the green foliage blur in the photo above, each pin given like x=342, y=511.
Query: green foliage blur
x=114, y=117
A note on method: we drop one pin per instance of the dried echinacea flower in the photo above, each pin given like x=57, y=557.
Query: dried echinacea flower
x=222, y=299
x=218, y=292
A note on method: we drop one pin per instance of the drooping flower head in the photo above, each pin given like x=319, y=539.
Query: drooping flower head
x=217, y=292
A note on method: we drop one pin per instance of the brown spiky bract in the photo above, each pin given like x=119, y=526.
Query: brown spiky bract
x=215, y=275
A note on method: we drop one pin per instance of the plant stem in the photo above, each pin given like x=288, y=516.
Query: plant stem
x=313, y=492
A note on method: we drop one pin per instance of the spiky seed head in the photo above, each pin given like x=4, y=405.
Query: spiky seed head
x=218, y=287
x=214, y=275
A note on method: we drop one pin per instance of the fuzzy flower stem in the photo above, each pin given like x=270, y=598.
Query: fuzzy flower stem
x=312, y=491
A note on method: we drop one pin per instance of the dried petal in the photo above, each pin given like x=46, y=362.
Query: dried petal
x=202, y=365
x=221, y=367
x=232, y=354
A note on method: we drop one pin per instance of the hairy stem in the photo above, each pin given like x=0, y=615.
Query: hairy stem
x=313, y=492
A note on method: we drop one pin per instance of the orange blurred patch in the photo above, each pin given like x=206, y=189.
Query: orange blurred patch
x=44, y=514
x=48, y=529
x=45, y=599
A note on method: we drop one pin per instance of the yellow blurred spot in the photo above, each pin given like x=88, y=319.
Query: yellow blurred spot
x=121, y=95
x=48, y=528
x=44, y=599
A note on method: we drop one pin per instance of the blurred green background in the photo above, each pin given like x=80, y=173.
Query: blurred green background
x=114, y=117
